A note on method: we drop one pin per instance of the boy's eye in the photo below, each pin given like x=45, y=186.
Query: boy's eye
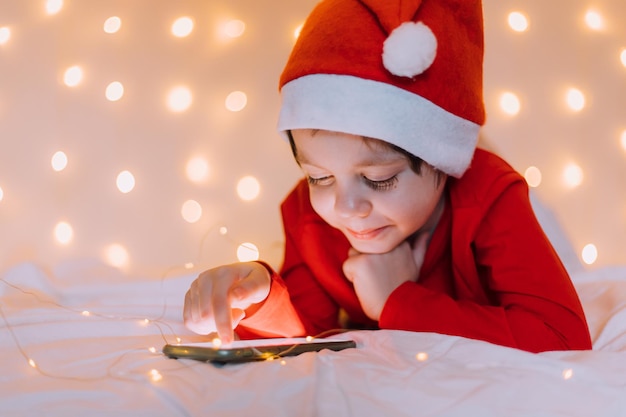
x=381, y=185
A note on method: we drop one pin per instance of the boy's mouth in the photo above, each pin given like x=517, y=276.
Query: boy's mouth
x=366, y=234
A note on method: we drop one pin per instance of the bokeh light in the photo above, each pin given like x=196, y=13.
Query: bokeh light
x=125, y=182
x=5, y=35
x=247, y=252
x=236, y=101
x=590, y=254
x=518, y=21
x=533, y=176
x=248, y=188
x=63, y=233
x=59, y=161
x=112, y=24
x=234, y=28
x=1, y=194
x=575, y=99
x=297, y=31
x=116, y=255
x=182, y=27
x=73, y=76
x=510, y=103
x=573, y=175
x=114, y=91
x=623, y=140
x=594, y=20
x=54, y=6
x=622, y=57
x=179, y=99
x=197, y=169
x=191, y=211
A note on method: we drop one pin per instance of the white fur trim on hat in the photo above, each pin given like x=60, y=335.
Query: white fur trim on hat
x=358, y=106
x=410, y=49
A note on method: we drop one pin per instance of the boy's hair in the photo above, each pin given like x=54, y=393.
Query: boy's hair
x=415, y=162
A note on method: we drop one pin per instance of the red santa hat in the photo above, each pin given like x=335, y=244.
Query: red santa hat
x=408, y=72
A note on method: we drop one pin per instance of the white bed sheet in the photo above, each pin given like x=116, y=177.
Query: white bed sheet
x=100, y=363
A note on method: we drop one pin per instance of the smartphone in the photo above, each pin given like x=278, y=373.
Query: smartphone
x=253, y=350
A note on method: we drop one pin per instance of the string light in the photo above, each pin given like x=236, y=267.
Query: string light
x=54, y=6
x=575, y=99
x=573, y=175
x=236, y=101
x=533, y=176
x=114, y=91
x=567, y=374
x=63, y=233
x=518, y=21
x=248, y=188
x=247, y=252
x=116, y=255
x=59, y=161
x=179, y=99
x=73, y=76
x=182, y=27
x=234, y=28
x=594, y=20
x=112, y=24
x=125, y=182
x=197, y=169
x=590, y=254
x=1, y=194
x=622, y=57
x=510, y=103
x=297, y=31
x=421, y=356
x=5, y=35
x=623, y=140
x=191, y=211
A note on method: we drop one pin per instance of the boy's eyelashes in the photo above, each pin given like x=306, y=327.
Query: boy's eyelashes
x=377, y=185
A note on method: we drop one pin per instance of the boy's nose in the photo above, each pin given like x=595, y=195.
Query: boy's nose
x=352, y=204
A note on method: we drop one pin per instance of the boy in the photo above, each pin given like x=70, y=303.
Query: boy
x=401, y=223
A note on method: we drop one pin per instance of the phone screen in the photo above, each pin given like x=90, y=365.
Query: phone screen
x=253, y=350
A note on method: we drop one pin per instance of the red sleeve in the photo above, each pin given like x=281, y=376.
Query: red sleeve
x=534, y=305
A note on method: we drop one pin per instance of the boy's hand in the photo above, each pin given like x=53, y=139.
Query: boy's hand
x=218, y=298
x=376, y=276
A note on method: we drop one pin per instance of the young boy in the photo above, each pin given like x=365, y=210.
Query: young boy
x=401, y=223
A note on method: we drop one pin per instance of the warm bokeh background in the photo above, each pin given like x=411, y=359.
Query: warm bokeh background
x=136, y=97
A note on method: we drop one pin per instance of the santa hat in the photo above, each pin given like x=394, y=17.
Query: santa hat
x=408, y=72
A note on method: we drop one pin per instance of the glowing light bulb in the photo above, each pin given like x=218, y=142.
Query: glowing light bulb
x=216, y=342
x=125, y=182
x=510, y=103
x=116, y=255
x=623, y=140
x=575, y=99
x=533, y=176
x=590, y=254
x=114, y=91
x=63, y=233
x=622, y=57
x=594, y=20
x=179, y=99
x=54, y=6
x=197, y=169
x=297, y=31
x=191, y=211
x=421, y=356
x=59, y=161
x=152, y=349
x=73, y=76
x=86, y=313
x=32, y=363
x=573, y=175
x=309, y=338
x=518, y=21
x=189, y=265
x=248, y=188
x=182, y=27
x=112, y=24
x=247, y=252
x=5, y=35
x=234, y=28
x=223, y=231
x=236, y=101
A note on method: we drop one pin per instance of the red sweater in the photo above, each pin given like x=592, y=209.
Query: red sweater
x=489, y=272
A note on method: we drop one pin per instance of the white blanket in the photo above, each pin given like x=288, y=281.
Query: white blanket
x=94, y=337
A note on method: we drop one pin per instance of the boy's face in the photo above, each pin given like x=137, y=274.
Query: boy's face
x=366, y=189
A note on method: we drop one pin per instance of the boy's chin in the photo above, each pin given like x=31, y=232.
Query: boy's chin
x=372, y=248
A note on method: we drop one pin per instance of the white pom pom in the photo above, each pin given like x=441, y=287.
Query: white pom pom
x=410, y=49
